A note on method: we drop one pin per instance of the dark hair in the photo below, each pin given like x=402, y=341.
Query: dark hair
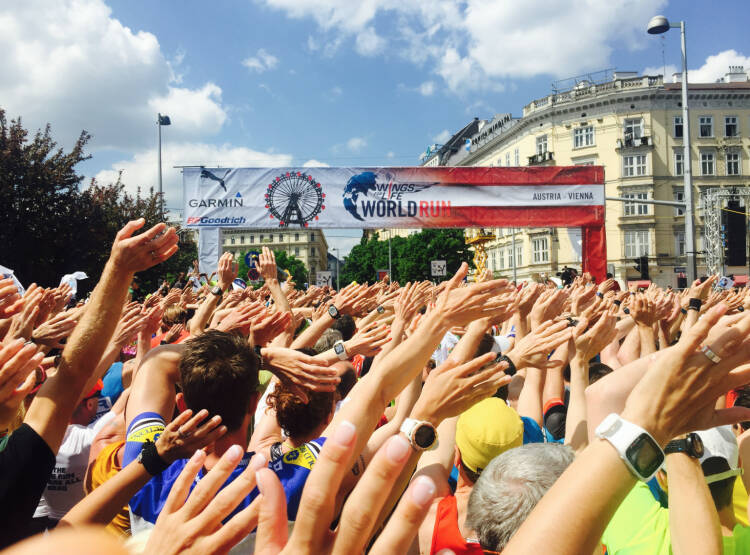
x=470, y=474
x=485, y=345
x=219, y=373
x=366, y=364
x=296, y=418
x=345, y=324
x=348, y=381
x=743, y=400
x=722, y=490
x=597, y=370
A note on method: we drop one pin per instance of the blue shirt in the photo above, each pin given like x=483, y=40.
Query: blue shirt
x=533, y=433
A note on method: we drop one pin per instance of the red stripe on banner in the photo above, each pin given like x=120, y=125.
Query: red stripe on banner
x=520, y=216
x=533, y=175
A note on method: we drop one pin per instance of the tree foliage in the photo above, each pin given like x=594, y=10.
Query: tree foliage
x=410, y=256
x=50, y=227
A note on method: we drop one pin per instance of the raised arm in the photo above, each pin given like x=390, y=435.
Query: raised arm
x=227, y=272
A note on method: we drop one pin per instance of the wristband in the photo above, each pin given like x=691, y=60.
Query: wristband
x=150, y=459
x=683, y=310
x=617, y=302
x=740, y=308
x=511, y=369
x=600, y=294
x=695, y=304
x=626, y=310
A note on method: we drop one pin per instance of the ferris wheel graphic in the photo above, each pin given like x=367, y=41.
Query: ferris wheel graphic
x=294, y=198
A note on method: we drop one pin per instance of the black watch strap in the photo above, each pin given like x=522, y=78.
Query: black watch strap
x=695, y=304
x=690, y=445
x=511, y=369
x=151, y=460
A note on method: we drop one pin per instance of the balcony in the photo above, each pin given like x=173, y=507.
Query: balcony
x=541, y=158
x=628, y=141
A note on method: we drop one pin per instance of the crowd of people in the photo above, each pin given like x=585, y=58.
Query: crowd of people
x=469, y=416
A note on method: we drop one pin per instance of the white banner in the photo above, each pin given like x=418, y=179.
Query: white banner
x=376, y=197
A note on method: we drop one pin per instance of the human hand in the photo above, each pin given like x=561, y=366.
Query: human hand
x=55, y=329
x=241, y=318
x=345, y=299
x=580, y=298
x=642, y=310
x=605, y=286
x=367, y=342
x=17, y=364
x=534, y=348
x=136, y=253
x=299, y=371
x=173, y=297
x=153, y=320
x=191, y=521
x=528, y=296
x=130, y=325
x=700, y=290
x=265, y=329
x=23, y=323
x=184, y=435
x=548, y=306
x=174, y=333
x=267, y=265
x=10, y=301
x=590, y=343
x=451, y=389
x=458, y=306
x=228, y=270
x=679, y=391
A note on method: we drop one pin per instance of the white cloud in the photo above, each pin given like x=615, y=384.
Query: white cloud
x=427, y=88
x=312, y=163
x=477, y=44
x=70, y=63
x=355, y=144
x=336, y=91
x=142, y=169
x=262, y=61
x=442, y=137
x=390, y=155
x=714, y=68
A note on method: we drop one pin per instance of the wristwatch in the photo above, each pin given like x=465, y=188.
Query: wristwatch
x=691, y=445
x=150, y=459
x=333, y=312
x=421, y=435
x=380, y=309
x=340, y=350
x=640, y=452
x=217, y=291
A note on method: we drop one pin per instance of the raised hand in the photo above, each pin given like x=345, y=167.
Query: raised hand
x=129, y=326
x=228, y=270
x=51, y=332
x=153, y=320
x=548, y=306
x=267, y=265
x=590, y=343
x=174, y=333
x=17, y=365
x=241, y=318
x=533, y=349
x=10, y=301
x=700, y=290
x=265, y=329
x=23, y=323
x=642, y=310
x=368, y=341
x=136, y=253
x=186, y=433
x=299, y=370
x=458, y=306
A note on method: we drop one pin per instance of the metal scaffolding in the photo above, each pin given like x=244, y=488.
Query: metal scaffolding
x=712, y=202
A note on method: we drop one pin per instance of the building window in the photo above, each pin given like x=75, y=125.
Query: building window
x=510, y=258
x=634, y=165
x=708, y=163
x=519, y=256
x=583, y=136
x=633, y=129
x=516, y=157
x=677, y=126
x=706, y=126
x=312, y=237
x=312, y=251
x=252, y=238
x=261, y=238
x=501, y=258
x=733, y=163
x=731, y=129
x=636, y=244
x=232, y=240
x=541, y=144
x=281, y=238
x=242, y=239
x=507, y=158
x=679, y=196
x=296, y=236
x=584, y=163
x=636, y=208
x=679, y=166
x=296, y=251
x=679, y=243
x=540, y=248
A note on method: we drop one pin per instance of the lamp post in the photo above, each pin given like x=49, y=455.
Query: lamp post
x=161, y=120
x=658, y=25
x=338, y=281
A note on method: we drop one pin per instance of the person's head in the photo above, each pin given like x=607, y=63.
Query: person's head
x=173, y=314
x=484, y=431
x=327, y=340
x=86, y=409
x=345, y=325
x=720, y=463
x=597, y=370
x=509, y=489
x=743, y=400
x=345, y=371
x=301, y=421
x=219, y=373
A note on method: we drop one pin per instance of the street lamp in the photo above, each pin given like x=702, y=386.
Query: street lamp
x=658, y=25
x=161, y=120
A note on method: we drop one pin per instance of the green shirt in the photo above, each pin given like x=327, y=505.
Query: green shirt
x=641, y=526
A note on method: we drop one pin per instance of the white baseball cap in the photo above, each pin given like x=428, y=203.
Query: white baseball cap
x=721, y=442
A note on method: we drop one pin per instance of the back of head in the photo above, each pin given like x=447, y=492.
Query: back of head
x=509, y=489
x=296, y=418
x=174, y=314
x=326, y=341
x=348, y=376
x=345, y=325
x=484, y=431
x=219, y=373
x=720, y=463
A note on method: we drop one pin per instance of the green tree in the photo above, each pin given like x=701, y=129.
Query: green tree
x=294, y=266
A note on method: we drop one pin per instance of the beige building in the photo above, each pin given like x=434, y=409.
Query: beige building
x=631, y=125
x=308, y=245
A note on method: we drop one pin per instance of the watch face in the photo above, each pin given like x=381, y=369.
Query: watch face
x=381, y=310
x=338, y=348
x=695, y=445
x=645, y=455
x=424, y=436
x=216, y=290
x=333, y=311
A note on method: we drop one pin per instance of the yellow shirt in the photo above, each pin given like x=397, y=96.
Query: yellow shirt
x=739, y=502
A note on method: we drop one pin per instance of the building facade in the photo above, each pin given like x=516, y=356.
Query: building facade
x=631, y=125
x=308, y=245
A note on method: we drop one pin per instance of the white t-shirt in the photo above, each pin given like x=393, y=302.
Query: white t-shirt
x=65, y=486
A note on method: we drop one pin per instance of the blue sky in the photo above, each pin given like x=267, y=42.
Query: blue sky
x=336, y=82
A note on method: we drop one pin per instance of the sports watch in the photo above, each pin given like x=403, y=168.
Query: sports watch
x=421, y=435
x=640, y=452
x=333, y=312
x=216, y=290
x=691, y=445
x=340, y=350
x=150, y=459
x=380, y=309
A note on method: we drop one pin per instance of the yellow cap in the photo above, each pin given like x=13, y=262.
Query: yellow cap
x=485, y=430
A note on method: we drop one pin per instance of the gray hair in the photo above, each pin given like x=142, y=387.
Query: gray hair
x=509, y=489
x=327, y=340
